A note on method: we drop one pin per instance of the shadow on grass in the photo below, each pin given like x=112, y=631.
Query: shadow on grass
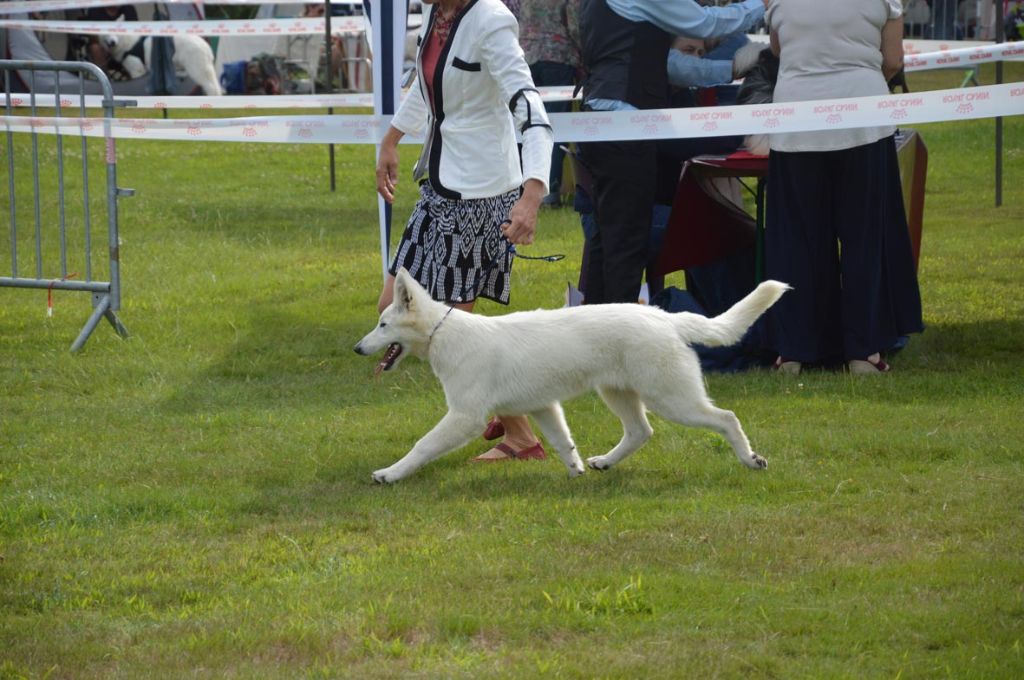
x=949, y=361
x=952, y=361
x=957, y=346
x=344, y=487
x=282, y=361
x=442, y=484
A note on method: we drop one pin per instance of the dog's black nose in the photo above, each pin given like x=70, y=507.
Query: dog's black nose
x=358, y=350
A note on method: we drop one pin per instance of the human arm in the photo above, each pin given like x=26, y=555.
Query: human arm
x=504, y=61
x=892, y=47
x=687, y=17
x=387, y=164
x=687, y=70
x=411, y=118
x=522, y=225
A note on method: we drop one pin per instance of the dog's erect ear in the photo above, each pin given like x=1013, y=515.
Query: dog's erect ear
x=404, y=289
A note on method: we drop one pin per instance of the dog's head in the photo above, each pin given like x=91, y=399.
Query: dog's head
x=116, y=44
x=404, y=327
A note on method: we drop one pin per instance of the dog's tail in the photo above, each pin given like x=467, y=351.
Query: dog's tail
x=728, y=328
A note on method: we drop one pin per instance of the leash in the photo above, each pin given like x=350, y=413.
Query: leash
x=509, y=249
x=515, y=253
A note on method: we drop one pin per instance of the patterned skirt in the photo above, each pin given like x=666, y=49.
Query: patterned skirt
x=455, y=249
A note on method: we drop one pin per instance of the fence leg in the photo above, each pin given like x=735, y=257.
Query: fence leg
x=119, y=327
x=98, y=312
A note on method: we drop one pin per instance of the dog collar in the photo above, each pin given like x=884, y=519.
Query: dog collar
x=438, y=325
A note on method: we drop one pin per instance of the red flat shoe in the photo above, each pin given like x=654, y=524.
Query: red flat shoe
x=494, y=429
x=535, y=452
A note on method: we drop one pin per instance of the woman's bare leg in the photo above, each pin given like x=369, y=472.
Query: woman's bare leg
x=518, y=432
x=387, y=293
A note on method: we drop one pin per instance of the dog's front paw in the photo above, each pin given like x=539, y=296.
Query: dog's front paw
x=598, y=463
x=385, y=476
x=757, y=462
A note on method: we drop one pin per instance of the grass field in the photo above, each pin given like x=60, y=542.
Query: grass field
x=196, y=501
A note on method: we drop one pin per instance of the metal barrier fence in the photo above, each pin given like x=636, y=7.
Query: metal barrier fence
x=952, y=19
x=57, y=242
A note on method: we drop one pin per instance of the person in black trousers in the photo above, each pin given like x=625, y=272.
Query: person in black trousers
x=625, y=46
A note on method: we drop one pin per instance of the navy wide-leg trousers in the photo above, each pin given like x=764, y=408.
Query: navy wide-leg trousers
x=836, y=231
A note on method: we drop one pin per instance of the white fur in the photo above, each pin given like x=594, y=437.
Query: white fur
x=745, y=58
x=192, y=55
x=529, y=362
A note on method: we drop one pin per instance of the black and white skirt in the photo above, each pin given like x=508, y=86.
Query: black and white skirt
x=455, y=249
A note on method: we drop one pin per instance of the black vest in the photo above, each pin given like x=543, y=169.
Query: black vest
x=624, y=60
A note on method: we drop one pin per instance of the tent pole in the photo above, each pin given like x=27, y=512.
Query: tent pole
x=329, y=53
x=1000, y=38
x=387, y=25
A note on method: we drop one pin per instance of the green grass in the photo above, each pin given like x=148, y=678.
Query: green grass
x=196, y=501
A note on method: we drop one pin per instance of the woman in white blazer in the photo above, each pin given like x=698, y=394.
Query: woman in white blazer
x=472, y=97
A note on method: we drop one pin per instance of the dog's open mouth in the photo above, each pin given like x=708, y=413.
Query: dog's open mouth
x=391, y=355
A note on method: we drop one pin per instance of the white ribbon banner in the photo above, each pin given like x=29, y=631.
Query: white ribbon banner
x=306, y=101
x=221, y=27
x=20, y=6
x=965, y=57
x=831, y=114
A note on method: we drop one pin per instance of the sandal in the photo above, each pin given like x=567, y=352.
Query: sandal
x=865, y=367
x=494, y=429
x=786, y=366
x=535, y=452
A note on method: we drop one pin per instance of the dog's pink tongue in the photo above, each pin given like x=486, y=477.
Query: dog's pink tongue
x=389, y=358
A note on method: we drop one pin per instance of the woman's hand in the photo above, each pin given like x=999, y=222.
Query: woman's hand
x=522, y=226
x=387, y=165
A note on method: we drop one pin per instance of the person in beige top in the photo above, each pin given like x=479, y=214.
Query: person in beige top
x=836, y=226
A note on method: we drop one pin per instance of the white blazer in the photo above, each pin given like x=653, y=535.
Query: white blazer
x=484, y=94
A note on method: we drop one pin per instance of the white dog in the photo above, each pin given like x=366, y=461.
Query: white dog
x=529, y=362
x=192, y=56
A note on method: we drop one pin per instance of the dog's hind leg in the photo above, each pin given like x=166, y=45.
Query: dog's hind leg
x=552, y=423
x=453, y=431
x=707, y=415
x=636, y=430
x=206, y=78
